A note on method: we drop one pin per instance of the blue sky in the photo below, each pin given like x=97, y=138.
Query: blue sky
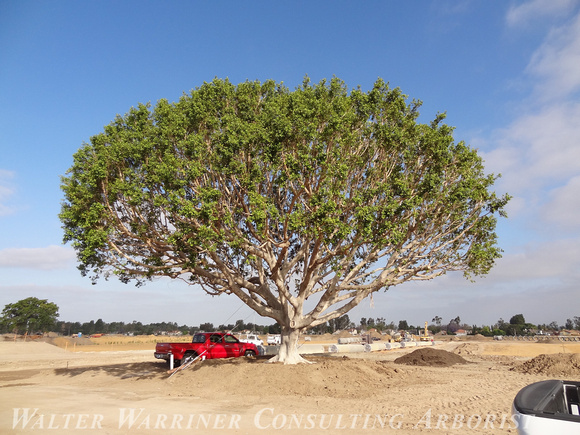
x=506, y=73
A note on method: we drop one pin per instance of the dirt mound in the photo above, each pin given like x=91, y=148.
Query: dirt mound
x=50, y=338
x=16, y=337
x=68, y=342
x=328, y=377
x=476, y=337
x=558, y=364
x=467, y=349
x=430, y=357
x=15, y=350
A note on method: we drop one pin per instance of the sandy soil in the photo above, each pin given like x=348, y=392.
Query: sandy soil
x=50, y=389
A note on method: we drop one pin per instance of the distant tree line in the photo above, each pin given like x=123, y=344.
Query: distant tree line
x=33, y=315
x=517, y=325
x=138, y=328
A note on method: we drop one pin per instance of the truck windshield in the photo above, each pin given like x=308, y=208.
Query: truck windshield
x=198, y=338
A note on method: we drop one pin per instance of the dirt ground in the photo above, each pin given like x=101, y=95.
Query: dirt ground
x=121, y=389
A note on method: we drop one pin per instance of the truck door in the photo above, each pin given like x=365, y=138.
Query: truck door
x=232, y=346
x=216, y=347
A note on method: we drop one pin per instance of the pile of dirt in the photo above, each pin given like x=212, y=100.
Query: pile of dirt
x=68, y=342
x=376, y=334
x=327, y=377
x=558, y=364
x=477, y=337
x=467, y=349
x=50, y=338
x=430, y=357
x=16, y=337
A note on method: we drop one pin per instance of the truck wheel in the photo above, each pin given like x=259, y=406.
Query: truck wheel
x=250, y=353
x=188, y=356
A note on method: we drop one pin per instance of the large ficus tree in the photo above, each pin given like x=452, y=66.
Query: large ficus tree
x=301, y=203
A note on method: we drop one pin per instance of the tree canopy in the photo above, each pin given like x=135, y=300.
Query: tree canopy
x=30, y=315
x=301, y=203
x=517, y=319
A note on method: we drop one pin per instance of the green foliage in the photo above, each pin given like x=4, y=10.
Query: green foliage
x=518, y=319
x=30, y=315
x=239, y=188
x=516, y=326
x=339, y=324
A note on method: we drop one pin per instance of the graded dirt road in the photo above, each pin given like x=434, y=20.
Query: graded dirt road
x=47, y=389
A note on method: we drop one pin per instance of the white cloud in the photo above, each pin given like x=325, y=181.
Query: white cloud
x=551, y=261
x=557, y=62
x=538, y=153
x=534, y=10
x=49, y=258
x=533, y=281
x=563, y=209
x=516, y=207
x=556, y=259
x=538, y=149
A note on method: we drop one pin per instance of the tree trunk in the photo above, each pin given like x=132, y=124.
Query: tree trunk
x=288, y=353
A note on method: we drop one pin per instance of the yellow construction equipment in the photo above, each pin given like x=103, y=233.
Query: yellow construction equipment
x=425, y=336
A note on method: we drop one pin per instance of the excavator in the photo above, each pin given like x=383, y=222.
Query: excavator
x=425, y=336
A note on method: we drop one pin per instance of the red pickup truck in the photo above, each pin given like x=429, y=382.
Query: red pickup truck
x=206, y=345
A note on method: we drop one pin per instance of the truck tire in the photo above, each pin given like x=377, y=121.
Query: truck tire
x=250, y=353
x=187, y=357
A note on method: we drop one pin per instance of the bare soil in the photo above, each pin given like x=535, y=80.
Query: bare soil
x=49, y=389
x=558, y=365
x=428, y=356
